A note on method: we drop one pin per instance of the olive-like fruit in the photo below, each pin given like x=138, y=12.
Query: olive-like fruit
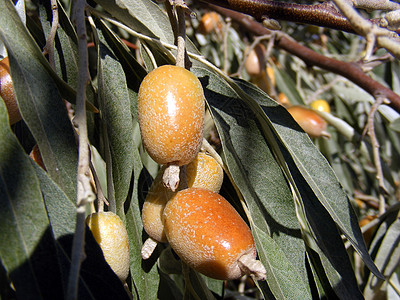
x=7, y=91
x=255, y=61
x=171, y=111
x=203, y=172
x=110, y=233
x=209, y=22
x=321, y=105
x=209, y=235
x=309, y=121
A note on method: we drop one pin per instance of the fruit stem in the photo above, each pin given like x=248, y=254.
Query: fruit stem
x=171, y=177
x=252, y=267
x=101, y=199
x=180, y=56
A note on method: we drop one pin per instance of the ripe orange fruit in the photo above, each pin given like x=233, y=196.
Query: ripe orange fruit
x=209, y=22
x=309, y=121
x=203, y=172
x=171, y=112
x=209, y=235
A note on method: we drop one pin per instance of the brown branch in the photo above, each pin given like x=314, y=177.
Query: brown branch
x=324, y=14
x=348, y=70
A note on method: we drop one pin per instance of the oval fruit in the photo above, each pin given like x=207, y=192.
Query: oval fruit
x=171, y=115
x=255, y=61
x=203, y=172
x=209, y=235
x=309, y=121
x=7, y=91
x=110, y=233
x=153, y=208
x=321, y=105
x=209, y=22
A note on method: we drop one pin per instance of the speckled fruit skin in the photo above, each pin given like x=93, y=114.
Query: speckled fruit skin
x=171, y=115
x=153, y=208
x=207, y=233
x=7, y=91
x=110, y=233
x=203, y=172
x=308, y=120
x=321, y=105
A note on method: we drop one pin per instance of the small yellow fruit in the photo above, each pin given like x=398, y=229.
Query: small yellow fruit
x=7, y=91
x=321, y=105
x=210, y=236
x=171, y=111
x=203, y=172
x=309, y=121
x=110, y=233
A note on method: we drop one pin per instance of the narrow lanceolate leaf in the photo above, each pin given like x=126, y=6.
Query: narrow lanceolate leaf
x=387, y=258
x=117, y=118
x=146, y=17
x=146, y=13
x=281, y=274
x=236, y=116
x=97, y=280
x=40, y=102
x=264, y=188
x=26, y=244
x=14, y=35
x=145, y=277
x=312, y=165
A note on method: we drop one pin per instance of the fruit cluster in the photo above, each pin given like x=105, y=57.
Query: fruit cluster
x=264, y=78
x=201, y=226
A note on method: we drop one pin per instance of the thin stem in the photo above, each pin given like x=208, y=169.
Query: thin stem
x=226, y=30
x=180, y=56
x=49, y=47
x=323, y=89
x=371, y=31
x=84, y=190
x=376, y=154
